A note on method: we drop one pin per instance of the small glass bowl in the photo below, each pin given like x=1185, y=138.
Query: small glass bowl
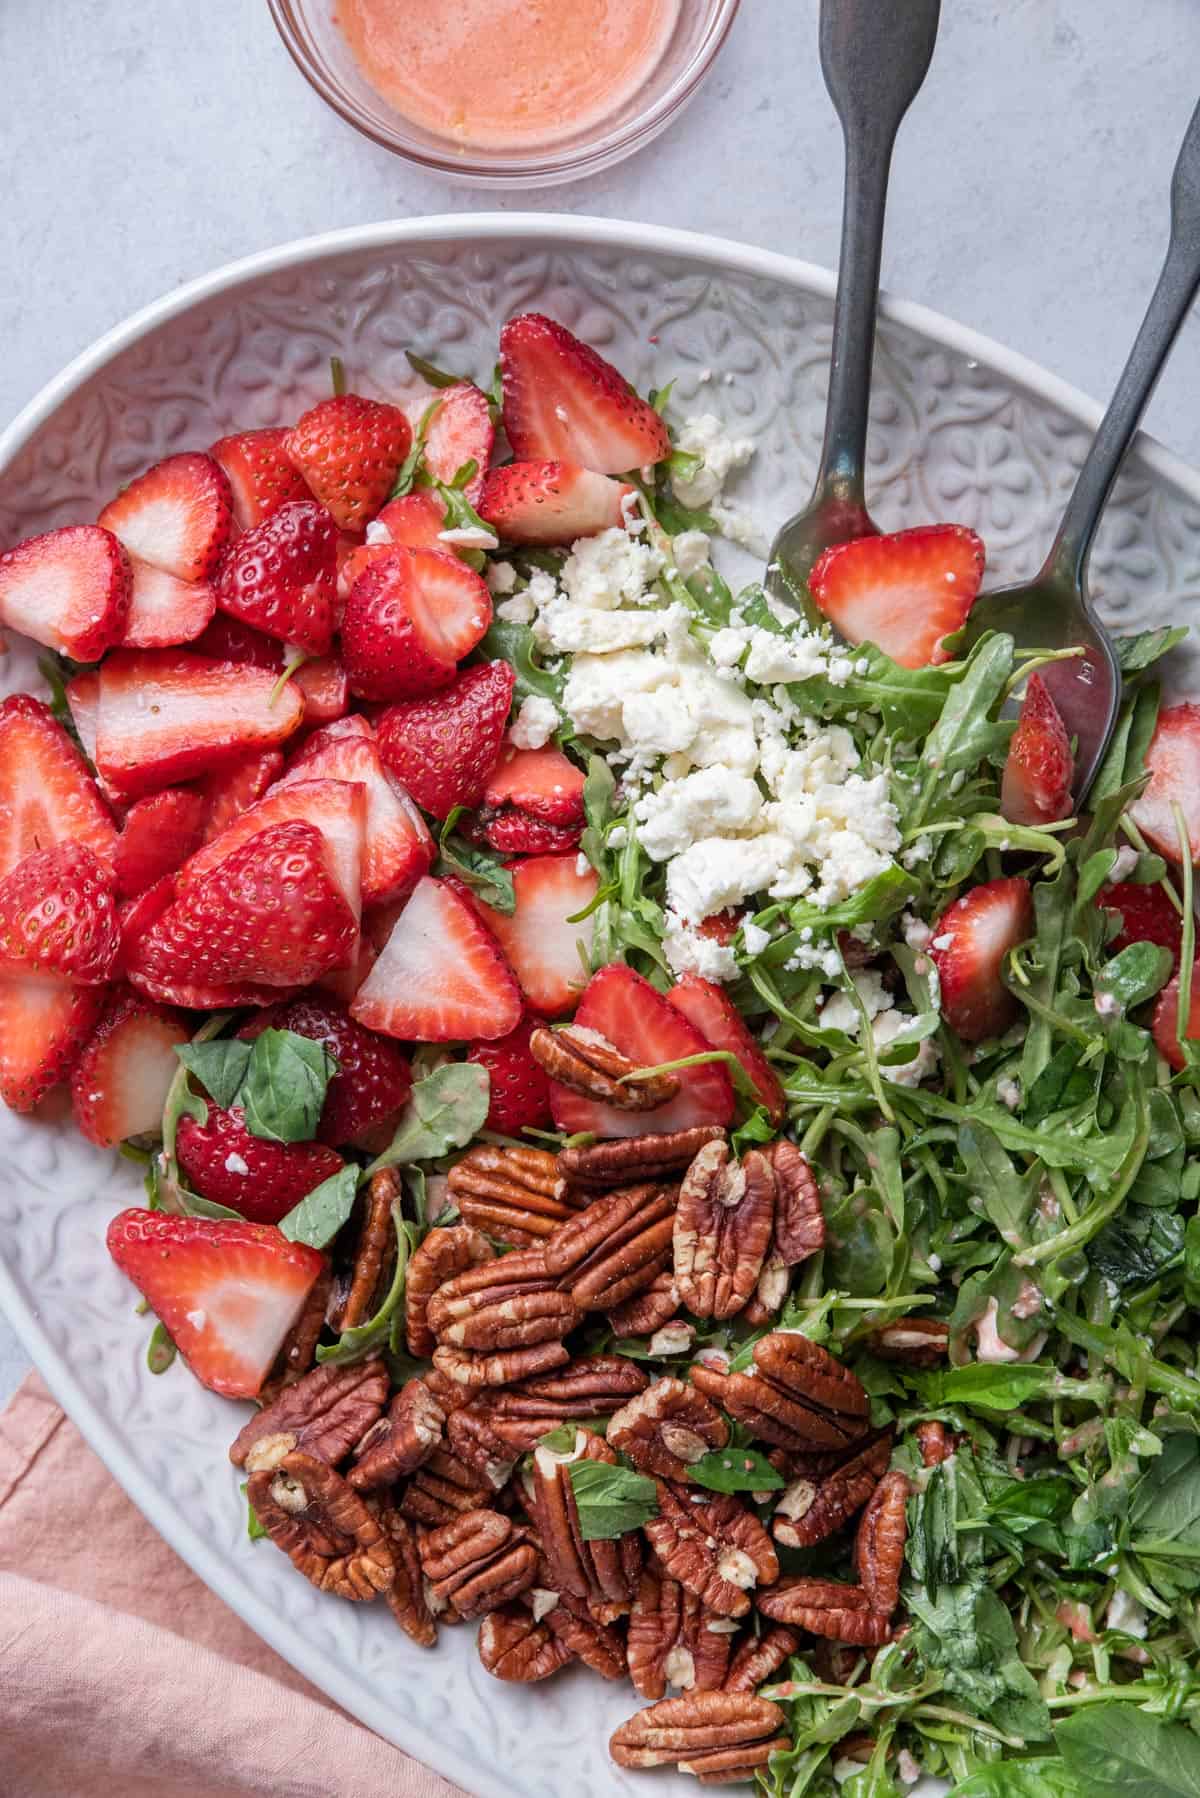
x=321, y=53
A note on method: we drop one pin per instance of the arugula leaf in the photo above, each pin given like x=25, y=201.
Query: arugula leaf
x=998, y=1386
x=514, y=643
x=480, y=869
x=1132, y=977
x=366, y=1338
x=430, y=373
x=1123, y=1752
x=220, y=1067
x=1164, y=1508
x=1136, y=652
x=321, y=1213
x=254, y=1528
x=445, y=1110
x=968, y=1635
x=1039, y=1777
x=284, y=1086
x=735, y=1470
x=610, y=1500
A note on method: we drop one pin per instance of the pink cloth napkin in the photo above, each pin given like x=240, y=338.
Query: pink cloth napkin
x=122, y=1676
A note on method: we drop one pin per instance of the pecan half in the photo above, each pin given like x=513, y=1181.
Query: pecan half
x=675, y=1640
x=810, y=1509
x=660, y=1156
x=516, y=1195
x=509, y=1303
x=799, y=1396
x=443, y=1489
x=400, y=1442
x=712, y=1545
x=445, y=1252
x=479, y=1445
x=299, y=1351
x=359, y=1288
x=647, y=1311
x=721, y=1737
x=406, y=1595
x=935, y=1442
x=323, y=1527
x=758, y=1657
x=325, y=1414
x=825, y=1608
x=614, y=1249
x=587, y=1063
x=723, y=1225
x=595, y=1644
x=474, y=1371
x=500, y=1425
x=603, y=1573
x=448, y=1393
x=477, y=1562
x=515, y=1646
x=799, y=1219
x=664, y=1429
x=879, y=1544
x=916, y=1341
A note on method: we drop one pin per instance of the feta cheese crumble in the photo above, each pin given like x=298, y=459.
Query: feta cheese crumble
x=535, y=723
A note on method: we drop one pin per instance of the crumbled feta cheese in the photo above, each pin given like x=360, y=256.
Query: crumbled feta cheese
x=535, y=723
x=236, y=1164
x=1123, y=866
x=501, y=577
x=520, y=609
x=710, y=802
x=611, y=569
x=925, y=1054
x=755, y=937
x=1009, y=1093
x=917, y=933
x=691, y=551
x=470, y=536
x=705, y=436
x=689, y=952
x=1126, y=1614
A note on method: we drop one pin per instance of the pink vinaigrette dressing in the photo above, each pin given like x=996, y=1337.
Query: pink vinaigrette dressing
x=507, y=74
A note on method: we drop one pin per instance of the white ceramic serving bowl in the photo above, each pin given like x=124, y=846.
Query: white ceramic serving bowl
x=961, y=429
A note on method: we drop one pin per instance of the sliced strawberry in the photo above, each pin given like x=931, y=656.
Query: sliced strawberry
x=139, y=915
x=398, y=847
x=543, y=782
x=444, y=747
x=233, y=790
x=58, y=915
x=638, y=1021
x=165, y=611
x=261, y=479
x=166, y=715
x=409, y=618
x=324, y=686
x=336, y=808
x=720, y=1023
x=373, y=1080
x=158, y=835
x=176, y=516
x=223, y=1162
x=516, y=833
x=320, y=682
x=343, y=983
x=43, y=1026
x=227, y=1293
x=68, y=589
x=1147, y=916
x=1173, y=759
x=550, y=502
x=348, y=449
x=270, y=915
x=972, y=938
x=721, y=927
x=1039, y=767
x=460, y=431
x=281, y=576
x=441, y=976
x=903, y=593
x=547, y=953
x=519, y=1094
x=47, y=795
x=1165, y=1022
x=416, y=520
x=120, y=1082
x=562, y=400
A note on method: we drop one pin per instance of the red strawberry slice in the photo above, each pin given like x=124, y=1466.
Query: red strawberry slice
x=373, y=1079
x=516, y=833
x=348, y=449
x=120, y=1082
x=1173, y=759
x=47, y=795
x=441, y=976
x=165, y=611
x=321, y=682
x=550, y=502
x=68, y=589
x=223, y=1162
x=638, y=1021
x=562, y=400
x=1165, y=1022
x=722, y=1026
x=324, y=686
x=271, y=914
x=167, y=715
x=233, y=790
x=58, y=915
x=1039, y=767
x=176, y=516
x=546, y=951
x=520, y=1092
x=1147, y=916
x=281, y=576
x=43, y=1026
x=261, y=479
x=903, y=593
x=444, y=747
x=460, y=431
x=720, y=927
x=409, y=618
x=139, y=915
x=543, y=782
x=972, y=938
x=336, y=808
x=398, y=848
x=227, y=1293
x=158, y=835
x=416, y=521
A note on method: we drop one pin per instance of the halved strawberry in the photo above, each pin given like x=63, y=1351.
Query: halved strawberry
x=373, y=1080
x=543, y=782
x=550, y=502
x=281, y=576
x=516, y=833
x=1165, y=1022
x=120, y=1082
x=348, y=449
x=637, y=1020
x=58, y=915
x=722, y=1026
x=1039, y=767
x=68, y=589
x=44, y=1024
x=519, y=1094
x=416, y=520
x=165, y=611
x=321, y=682
x=441, y=976
x=460, y=431
x=972, y=938
x=47, y=794
x=227, y=1293
x=158, y=835
x=547, y=953
x=445, y=746
x=261, y=479
x=336, y=808
x=562, y=400
x=223, y=1162
x=137, y=916
x=1173, y=759
x=176, y=516
x=233, y=790
x=167, y=715
x=398, y=848
x=409, y=618
x=903, y=593
x=324, y=686
x=1147, y=916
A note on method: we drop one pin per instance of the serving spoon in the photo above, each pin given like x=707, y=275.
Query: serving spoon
x=1053, y=610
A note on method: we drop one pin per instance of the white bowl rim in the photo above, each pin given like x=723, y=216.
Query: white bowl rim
x=562, y=228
